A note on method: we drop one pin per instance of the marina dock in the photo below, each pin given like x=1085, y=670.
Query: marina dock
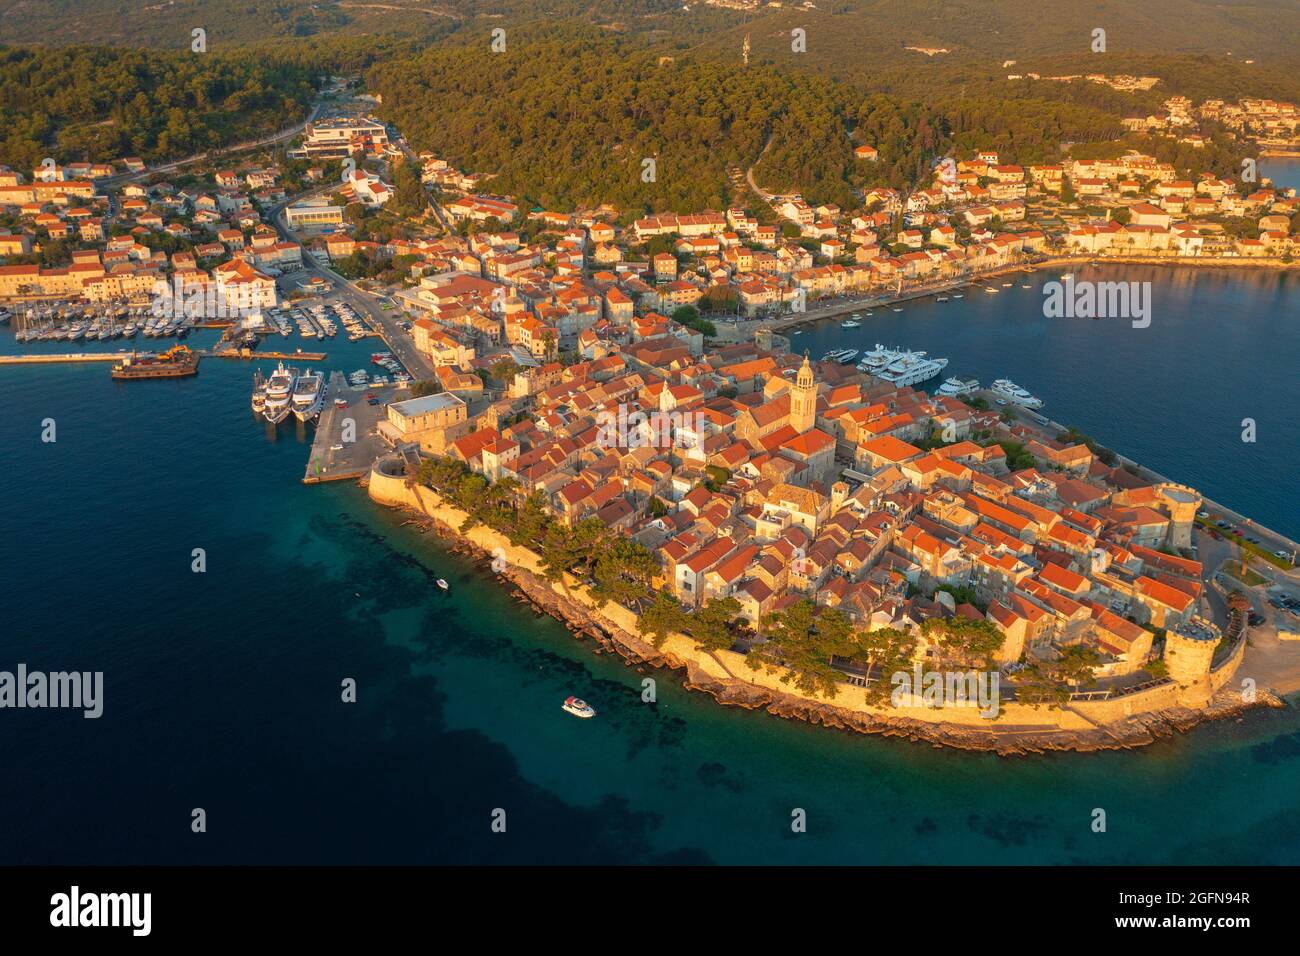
x=63, y=357
x=54, y=357
x=254, y=356
x=332, y=458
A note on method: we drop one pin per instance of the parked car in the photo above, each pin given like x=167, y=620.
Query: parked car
x=1255, y=619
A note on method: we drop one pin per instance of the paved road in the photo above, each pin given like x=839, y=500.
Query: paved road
x=112, y=182
x=398, y=339
x=437, y=210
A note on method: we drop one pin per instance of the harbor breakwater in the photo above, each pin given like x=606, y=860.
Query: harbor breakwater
x=1122, y=722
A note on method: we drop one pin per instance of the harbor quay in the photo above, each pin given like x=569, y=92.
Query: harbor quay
x=347, y=440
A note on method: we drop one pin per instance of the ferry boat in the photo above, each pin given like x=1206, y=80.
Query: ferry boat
x=308, y=395
x=177, y=362
x=279, y=389
x=954, y=387
x=578, y=707
x=1015, y=394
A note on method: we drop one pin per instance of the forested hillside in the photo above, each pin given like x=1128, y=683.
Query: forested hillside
x=103, y=103
x=571, y=120
x=567, y=117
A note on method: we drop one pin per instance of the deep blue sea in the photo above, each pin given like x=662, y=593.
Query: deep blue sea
x=222, y=689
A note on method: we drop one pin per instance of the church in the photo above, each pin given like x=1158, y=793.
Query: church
x=785, y=426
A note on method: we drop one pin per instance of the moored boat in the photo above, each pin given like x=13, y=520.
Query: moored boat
x=1013, y=393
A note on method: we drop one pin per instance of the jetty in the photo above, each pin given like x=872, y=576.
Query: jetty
x=63, y=357
x=347, y=442
x=253, y=356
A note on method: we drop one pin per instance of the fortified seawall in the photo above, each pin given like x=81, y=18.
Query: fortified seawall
x=1124, y=722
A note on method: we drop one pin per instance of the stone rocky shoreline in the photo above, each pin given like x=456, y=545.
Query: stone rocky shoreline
x=1138, y=730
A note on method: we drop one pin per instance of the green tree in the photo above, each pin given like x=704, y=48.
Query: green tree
x=803, y=641
x=661, y=617
x=712, y=625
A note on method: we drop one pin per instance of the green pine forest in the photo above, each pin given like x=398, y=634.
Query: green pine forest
x=569, y=112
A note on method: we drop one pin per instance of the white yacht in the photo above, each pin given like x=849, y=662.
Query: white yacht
x=911, y=368
x=308, y=395
x=876, y=359
x=279, y=390
x=954, y=387
x=578, y=707
x=852, y=323
x=1015, y=394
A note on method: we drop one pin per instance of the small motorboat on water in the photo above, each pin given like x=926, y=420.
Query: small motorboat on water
x=442, y=584
x=578, y=707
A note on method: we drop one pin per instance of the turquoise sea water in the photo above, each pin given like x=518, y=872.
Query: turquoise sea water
x=223, y=688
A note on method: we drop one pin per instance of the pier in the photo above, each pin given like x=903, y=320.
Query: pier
x=332, y=458
x=56, y=357
x=253, y=356
x=63, y=357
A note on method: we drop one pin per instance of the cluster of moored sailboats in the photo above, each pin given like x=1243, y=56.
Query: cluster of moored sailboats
x=288, y=391
x=78, y=324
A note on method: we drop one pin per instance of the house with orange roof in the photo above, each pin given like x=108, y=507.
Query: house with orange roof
x=721, y=580
x=884, y=451
x=1128, y=643
x=1165, y=606
x=689, y=582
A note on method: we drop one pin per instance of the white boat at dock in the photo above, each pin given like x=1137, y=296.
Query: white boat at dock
x=279, y=390
x=308, y=395
x=956, y=387
x=1013, y=393
x=901, y=366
